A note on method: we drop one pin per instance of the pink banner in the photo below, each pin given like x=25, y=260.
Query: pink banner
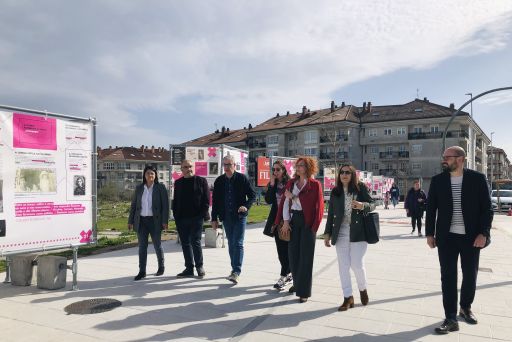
x=34, y=132
x=201, y=169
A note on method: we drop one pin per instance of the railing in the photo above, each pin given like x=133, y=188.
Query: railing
x=438, y=135
x=339, y=155
x=394, y=155
x=329, y=139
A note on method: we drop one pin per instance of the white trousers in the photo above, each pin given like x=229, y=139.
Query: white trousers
x=351, y=255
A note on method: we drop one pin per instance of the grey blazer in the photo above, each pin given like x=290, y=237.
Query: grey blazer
x=160, y=206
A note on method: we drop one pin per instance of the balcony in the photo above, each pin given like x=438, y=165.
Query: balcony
x=330, y=155
x=438, y=135
x=478, y=160
x=394, y=155
x=328, y=139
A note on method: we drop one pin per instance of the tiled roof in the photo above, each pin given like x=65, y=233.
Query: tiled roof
x=309, y=118
x=228, y=137
x=417, y=109
x=134, y=153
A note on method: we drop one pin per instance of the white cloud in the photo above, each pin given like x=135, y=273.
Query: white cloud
x=119, y=60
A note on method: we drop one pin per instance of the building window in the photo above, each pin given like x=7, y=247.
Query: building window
x=387, y=131
x=417, y=148
x=403, y=166
x=292, y=137
x=375, y=166
x=291, y=153
x=402, y=148
x=108, y=166
x=389, y=149
x=401, y=131
x=372, y=132
x=417, y=130
x=416, y=166
x=272, y=152
x=434, y=128
x=310, y=151
x=374, y=149
x=310, y=137
x=273, y=140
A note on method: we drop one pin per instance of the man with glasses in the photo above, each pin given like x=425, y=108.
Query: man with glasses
x=458, y=222
x=232, y=198
x=190, y=208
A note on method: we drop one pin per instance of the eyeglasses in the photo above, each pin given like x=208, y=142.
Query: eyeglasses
x=187, y=166
x=228, y=164
x=277, y=170
x=446, y=157
x=345, y=172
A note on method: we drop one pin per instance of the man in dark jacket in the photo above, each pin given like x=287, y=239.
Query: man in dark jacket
x=460, y=199
x=232, y=198
x=190, y=208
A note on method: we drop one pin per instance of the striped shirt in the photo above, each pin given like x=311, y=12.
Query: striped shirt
x=457, y=225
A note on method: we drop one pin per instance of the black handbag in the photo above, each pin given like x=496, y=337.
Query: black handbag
x=268, y=230
x=371, y=227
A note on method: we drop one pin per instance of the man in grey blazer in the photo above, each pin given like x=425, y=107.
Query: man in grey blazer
x=149, y=214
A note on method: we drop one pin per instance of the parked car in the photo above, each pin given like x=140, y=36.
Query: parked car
x=505, y=199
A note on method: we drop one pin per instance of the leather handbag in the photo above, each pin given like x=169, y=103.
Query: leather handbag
x=371, y=227
x=284, y=236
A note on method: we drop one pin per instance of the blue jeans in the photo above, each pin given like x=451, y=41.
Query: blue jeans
x=234, y=227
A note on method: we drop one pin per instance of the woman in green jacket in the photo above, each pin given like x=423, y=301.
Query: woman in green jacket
x=344, y=228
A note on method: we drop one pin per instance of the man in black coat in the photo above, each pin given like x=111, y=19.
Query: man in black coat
x=460, y=199
x=232, y=198
x=190, y=208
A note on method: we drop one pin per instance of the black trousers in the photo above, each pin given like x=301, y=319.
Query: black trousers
x=301, y=251
x=147, y=228
x=282, y=253
x=449, y=251
x=190, y=230
x=416, y=220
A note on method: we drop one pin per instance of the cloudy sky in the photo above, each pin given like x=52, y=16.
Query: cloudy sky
x=164, y=72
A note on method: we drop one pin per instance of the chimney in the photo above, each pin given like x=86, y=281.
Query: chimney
x=250, y=126
x=332, y=106
x=216, y=131
x=452, y=106
x=98, y=149
x=277, y=115
x=110, y=147
x=304, y=109
x=369, y=106
x=227, y=130
x=245, y=128
x=287, y=113
x=364, y=107
x=343, y=104
x=142, y=148
x=223, y=130
x=153, y=149
x=425, y=99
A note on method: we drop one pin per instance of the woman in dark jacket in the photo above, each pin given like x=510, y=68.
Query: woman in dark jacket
x=344, y=228
x=149, y=215
x=275, y=190
x=415, y=205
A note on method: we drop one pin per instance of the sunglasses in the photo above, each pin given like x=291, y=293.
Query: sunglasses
x=345, y=172
x=277, y=169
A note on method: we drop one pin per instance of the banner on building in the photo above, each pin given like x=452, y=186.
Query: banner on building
x=46, y=181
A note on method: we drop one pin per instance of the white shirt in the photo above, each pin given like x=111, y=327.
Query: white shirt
x=457, y=224
x=147, y=201
x=295, y=202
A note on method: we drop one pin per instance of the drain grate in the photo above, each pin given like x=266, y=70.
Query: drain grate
x=485, y=269
x=92, y=306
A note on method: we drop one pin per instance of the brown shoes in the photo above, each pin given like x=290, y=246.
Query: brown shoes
x=364, y=297
x=348, y=302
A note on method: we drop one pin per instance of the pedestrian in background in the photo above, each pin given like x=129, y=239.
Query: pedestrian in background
x=395, y=195
x=149, y=215
x=302, y=210
x=458, y=222
x=386, y=200
x=232, y=198
x=275, y=190
x=414, y=205
x=190, y=207
x=350, y=200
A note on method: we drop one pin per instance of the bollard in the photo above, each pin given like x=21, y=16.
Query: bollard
x=51, y=272
x=21, y=269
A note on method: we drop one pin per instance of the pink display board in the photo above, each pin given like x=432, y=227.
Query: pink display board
x=35, y=132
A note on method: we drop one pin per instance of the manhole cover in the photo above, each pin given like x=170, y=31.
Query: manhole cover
x=92, y=306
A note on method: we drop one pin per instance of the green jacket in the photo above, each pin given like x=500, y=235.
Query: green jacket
x=337, y=211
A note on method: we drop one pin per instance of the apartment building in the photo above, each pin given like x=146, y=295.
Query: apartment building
x=123, y=166
x=498, y=164
x=401, y=141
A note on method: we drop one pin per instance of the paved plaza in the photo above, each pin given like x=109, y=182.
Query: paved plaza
x=404, y=290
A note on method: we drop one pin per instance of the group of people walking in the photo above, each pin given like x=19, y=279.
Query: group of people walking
x=458, y=221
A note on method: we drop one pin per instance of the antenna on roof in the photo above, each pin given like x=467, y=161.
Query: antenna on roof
x=417, y=93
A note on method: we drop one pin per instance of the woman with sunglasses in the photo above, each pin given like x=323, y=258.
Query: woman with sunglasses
x=275, y=191
x=344, y=228
x=302, y=208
